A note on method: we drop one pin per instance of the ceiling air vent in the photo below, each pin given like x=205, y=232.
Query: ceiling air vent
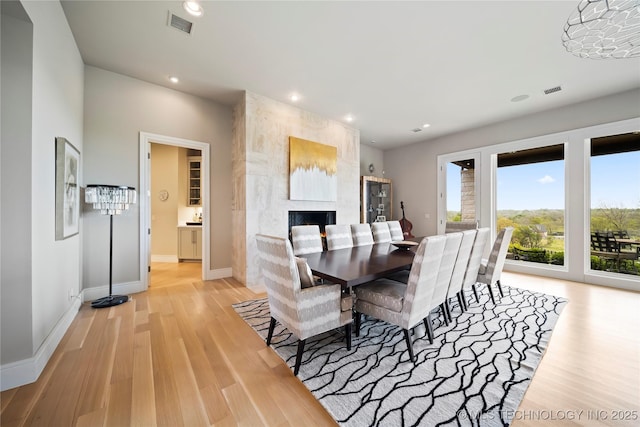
x=180, y=23
x=416, y=130
x=552, y=90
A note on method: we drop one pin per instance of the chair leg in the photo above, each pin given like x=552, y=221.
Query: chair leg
x=347, y=332
x=407, y=337
x=444, y=314
x=493, y=299
x=475, y=292
x=464, y=300
x=461, y=301
x=429, y=328
x=358, y=320
x=298, y=357
x=272, y=325
x=447, y=306
x=500, y=288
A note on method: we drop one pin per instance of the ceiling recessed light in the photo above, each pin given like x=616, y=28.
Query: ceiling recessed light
x=373, y=141
x=426, y=125
x=349, y=118
x=294, y=97
x=173, y=79
x=193, y=7
x=519, y=98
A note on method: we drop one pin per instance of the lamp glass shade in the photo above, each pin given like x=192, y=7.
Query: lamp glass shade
x=110, y=199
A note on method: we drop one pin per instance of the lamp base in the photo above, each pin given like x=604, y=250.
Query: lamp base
x=109, y=301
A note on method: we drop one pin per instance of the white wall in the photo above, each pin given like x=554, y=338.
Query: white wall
x=15, y=152
x=117, y=109
x=372, y=155
x=57, y=103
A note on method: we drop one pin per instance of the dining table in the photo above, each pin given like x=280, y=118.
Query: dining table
x=360, y=264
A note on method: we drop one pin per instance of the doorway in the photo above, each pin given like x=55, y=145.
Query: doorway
x=187, y=211
x=176, y=215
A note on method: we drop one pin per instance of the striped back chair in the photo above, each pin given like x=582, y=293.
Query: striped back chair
x=306, y=239
x=459, y=269
x=380, y=231
x=475, y=260
x=405, y=305
x=304, y=312
x=491, y=269
x=361, y=234
x=338, y=236
x=395, y=229
x=451, y=249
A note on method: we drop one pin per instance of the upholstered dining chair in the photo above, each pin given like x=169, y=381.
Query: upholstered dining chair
x=459, y=270
x=449, y=260
x=338, y=236
x=395, y=229
x=306, y=239
x=304, y=312
x=445, y=271
x=491, y=269
x=361, y=234
x=405, y=305
x=380, y=231
x=475, y=259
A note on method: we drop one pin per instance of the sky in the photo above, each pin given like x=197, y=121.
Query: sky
x=615, y=182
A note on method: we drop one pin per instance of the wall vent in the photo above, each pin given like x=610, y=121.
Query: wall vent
x=416, y=130
x=552, y=90
x=180, y=23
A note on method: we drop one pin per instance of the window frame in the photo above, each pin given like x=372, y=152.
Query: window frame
x=577, y=154
x=443, y=160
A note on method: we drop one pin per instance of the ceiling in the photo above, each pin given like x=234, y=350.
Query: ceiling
x=393, y=66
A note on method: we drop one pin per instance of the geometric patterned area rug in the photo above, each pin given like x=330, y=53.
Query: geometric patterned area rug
x=474, y=374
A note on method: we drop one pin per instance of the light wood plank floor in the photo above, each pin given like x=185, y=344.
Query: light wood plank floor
x=178, y=355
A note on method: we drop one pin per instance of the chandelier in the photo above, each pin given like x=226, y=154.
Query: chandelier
x=601, y=29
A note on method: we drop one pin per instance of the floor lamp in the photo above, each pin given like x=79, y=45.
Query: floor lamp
x=110, y=200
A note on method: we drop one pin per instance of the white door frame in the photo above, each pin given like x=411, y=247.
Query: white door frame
x=146, y=139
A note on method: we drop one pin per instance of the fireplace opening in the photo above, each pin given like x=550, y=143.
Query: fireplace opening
x=319, y=218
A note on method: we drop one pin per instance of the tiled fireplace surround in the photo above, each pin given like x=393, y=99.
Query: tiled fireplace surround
x=261, y=202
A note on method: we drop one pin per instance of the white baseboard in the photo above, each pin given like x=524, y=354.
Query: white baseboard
x=90, y=294
x=219, y=273
x=26, y=371
x=164, y=258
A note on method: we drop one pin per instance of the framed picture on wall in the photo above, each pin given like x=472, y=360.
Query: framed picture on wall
x=67, y=189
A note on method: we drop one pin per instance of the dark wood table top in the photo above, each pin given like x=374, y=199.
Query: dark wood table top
x=361, y=264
